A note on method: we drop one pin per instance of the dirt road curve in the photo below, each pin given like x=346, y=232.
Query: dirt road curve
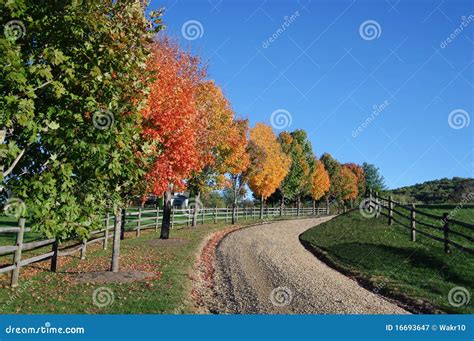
x=265, y=269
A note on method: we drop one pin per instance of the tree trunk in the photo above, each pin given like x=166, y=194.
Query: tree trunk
x=298, y=204
x=166, y=223
x=197, y=202
x=122, y=223
x=327, y=205
x=261, y=207
x=116, y=243
x=314, y=207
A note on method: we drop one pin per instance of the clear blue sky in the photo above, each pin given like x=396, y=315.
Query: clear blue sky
x=328, y=73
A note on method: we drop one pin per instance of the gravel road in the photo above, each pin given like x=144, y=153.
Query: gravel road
x=266, y=270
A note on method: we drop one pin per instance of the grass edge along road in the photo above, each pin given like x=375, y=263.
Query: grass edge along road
x=419, y=275
x=172, y=262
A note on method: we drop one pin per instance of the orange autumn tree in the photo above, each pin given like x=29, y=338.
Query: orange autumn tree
x=348, y=184
x=216, y=138
x=360, y=176
x=171, y=122
x=269, y=165
x=320, y=182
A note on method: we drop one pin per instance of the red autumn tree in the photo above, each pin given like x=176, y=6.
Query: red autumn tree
x=171, y=122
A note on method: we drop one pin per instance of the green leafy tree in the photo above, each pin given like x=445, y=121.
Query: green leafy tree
x=297, y=182
x=373, y=178
x=72, y=86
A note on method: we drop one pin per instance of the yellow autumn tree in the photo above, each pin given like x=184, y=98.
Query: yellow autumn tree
x=216, y=128
x=236, y=160
x=268, y=164
x=348, y=181
x=320, y=181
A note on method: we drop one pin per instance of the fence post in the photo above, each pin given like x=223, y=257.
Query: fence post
x=17, y=256
x=246, y=211
x=377, y=211
x=106, y=232
x=390, y=210
x=157, y=218
x=172, y=217
x=84, y=249
x=413, y=222
x=189, y=216
x=139, y=223
x=215, y=215
x=54, y=259
x=226, y=211
x=446, y=232
x=202, y=215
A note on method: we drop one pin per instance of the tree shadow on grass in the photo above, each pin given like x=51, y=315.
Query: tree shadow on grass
x=377, y=257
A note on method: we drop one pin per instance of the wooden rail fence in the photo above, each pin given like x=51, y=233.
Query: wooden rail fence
x=134, y=219
x=416, y=218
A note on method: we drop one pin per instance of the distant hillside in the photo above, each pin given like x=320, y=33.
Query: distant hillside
x=437, y=191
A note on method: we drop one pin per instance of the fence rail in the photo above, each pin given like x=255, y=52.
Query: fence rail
x=432, y=222
x=133, y=219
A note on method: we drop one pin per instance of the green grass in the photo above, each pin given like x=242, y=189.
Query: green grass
x=45, y=292
x=385, y=258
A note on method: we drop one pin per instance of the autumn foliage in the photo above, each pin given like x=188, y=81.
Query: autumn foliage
x=269, y=165
x=171, y=121
x=320, y=181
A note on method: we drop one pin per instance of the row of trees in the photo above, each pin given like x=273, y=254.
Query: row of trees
x=96, y=110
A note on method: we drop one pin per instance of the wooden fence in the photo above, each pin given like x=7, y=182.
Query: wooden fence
x=426, y=224
x=133, y=219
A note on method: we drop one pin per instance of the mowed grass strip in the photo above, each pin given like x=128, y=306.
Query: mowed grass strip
x=41, y=291
x=385, y=257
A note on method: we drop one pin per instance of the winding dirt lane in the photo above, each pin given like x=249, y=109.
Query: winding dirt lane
x=265, y=270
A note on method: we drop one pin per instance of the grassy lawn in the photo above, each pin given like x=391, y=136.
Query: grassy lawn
x=385, y=258
x=44, y=292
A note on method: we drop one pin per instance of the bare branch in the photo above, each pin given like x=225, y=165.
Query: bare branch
x=9, y=170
